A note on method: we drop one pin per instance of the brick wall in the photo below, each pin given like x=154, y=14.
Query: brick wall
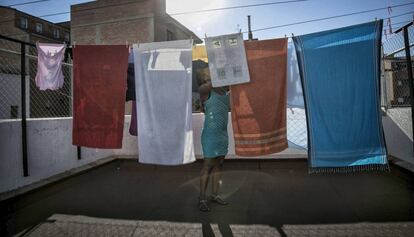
x=114, y=22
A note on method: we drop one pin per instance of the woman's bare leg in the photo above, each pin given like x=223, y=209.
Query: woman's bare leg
x=216, y=175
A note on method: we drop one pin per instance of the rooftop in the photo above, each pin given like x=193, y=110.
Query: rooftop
x=271, y=193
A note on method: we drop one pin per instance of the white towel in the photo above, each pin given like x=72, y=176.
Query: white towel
x=49, y=66
x=227, y=60
x=163, y=80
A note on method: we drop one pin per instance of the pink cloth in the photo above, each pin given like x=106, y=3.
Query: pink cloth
x=49, y=66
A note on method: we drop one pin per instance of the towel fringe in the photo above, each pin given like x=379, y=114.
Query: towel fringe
x=349, y=169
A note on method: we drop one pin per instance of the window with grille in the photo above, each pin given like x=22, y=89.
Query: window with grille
x=23, y=23
x=56, y=33
x=39, y=27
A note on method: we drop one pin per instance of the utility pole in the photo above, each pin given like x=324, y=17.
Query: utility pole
x=250, y=28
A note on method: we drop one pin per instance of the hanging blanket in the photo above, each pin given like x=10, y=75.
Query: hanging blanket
x=227, y=60
x=259, y=107
x=340, y=71
x=163, y=92
x=99, y=95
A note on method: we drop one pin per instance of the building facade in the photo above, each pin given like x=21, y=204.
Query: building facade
x=28, y=28
x=125, y=22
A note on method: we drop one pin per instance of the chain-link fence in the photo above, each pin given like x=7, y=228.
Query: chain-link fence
x=396, y=97
x=39, y=104
x=10, y=80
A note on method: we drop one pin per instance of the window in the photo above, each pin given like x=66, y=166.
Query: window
x=56, y=33
x=67, y=37
x=39, y=27
x=23, y=23
x=170, y=35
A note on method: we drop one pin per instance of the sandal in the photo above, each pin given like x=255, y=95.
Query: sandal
x=203, y=206
x=218, y=199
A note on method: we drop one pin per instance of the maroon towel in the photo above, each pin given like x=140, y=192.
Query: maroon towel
x=99, y=88
x=133, y=126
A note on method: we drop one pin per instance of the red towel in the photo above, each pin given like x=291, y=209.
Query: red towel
x=258, y=108
x=99, y=87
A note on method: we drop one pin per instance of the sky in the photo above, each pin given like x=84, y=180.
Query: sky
x=229, y=21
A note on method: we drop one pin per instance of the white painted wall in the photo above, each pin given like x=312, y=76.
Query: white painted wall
x=50, y=149
x=398, y=143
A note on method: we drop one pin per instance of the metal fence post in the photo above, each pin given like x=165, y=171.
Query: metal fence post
x=23, y=101
x=409, y=70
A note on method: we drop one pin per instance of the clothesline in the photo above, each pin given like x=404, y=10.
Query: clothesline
x=339, y=139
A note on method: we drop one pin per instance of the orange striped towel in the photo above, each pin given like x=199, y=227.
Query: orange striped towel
x=259, y=107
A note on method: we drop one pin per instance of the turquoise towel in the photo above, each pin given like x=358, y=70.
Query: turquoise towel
x=340, y=72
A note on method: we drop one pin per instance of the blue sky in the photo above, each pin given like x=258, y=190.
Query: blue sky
x=227, y=21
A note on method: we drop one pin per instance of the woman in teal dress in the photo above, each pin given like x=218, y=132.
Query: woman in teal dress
x=214, y=139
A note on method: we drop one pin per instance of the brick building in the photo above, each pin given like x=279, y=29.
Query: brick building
x=121, y=21
x=28, y=28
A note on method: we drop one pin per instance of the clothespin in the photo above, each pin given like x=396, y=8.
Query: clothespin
x=126, y=44
x=285, y=36
x=205, y=35
x=74, y=44
x=293, y=35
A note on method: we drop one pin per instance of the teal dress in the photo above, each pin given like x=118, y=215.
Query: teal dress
x=214, y=137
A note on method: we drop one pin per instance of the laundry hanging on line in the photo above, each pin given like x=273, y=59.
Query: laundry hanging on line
x=49, y=66
x=227, y=60
x=340, y=71
x=259, y=107
x=163, y=79
x=99, y=86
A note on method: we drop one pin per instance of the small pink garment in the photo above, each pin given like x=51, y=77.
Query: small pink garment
x=49, y=66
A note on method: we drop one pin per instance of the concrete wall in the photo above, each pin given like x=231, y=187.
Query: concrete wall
x=398, y=143
x=50, y=149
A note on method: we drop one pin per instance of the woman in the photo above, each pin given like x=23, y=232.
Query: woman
x=214, y=139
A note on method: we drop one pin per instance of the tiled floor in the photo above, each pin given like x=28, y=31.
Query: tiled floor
x=271, y=193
